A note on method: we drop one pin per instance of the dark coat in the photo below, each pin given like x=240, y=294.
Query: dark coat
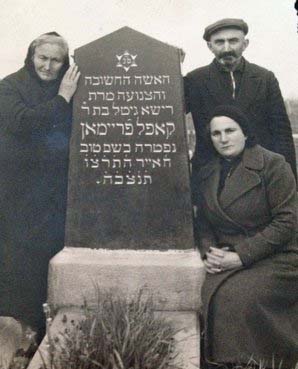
x=259, y=97
x=34, y=136
x=251, y=311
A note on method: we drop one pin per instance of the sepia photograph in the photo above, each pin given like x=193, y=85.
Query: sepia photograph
x=148, y=184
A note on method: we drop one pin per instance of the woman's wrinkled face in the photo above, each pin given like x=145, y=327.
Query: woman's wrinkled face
x=48, y=59
x=227, y=137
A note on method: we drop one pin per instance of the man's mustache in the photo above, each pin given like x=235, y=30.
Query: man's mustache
x=227, y=53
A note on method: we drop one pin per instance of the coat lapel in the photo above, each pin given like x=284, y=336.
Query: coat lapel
x=244, y=178
x=249, y=86
x=210, y=175
x=215, y=87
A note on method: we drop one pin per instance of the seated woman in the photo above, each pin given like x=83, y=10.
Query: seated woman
x=247, y=222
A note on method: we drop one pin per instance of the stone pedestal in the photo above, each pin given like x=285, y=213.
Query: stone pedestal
x=173, y=278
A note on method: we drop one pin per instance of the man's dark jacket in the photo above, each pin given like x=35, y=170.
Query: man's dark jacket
x=259, y=97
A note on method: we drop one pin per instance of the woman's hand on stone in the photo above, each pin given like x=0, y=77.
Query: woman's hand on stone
x=219, y=260
x=69, y=83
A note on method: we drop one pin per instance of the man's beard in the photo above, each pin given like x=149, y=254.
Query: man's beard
x=228, y=58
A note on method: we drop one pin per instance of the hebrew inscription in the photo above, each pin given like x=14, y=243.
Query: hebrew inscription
x=127, y=126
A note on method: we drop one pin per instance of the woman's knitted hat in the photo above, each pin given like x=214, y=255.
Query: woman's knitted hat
x=235, y=113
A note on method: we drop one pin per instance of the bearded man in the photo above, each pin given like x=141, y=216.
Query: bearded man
x=231, y=79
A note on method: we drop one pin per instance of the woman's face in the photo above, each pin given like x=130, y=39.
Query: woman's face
x=48, y=59
x=227, y=137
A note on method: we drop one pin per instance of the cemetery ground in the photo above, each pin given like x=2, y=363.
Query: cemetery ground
x=22, y=359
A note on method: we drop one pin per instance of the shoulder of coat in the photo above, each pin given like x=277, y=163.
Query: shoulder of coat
x=198, y=73
x=19, y=77
x=270, y=156
x=207, y=169
x=257, y=69
x=257, y=157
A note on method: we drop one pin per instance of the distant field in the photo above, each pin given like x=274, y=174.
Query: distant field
x=292, y=109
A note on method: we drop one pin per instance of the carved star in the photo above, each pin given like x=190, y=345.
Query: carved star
x=126, y=60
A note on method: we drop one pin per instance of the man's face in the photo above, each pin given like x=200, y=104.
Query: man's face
x=48, y=59
x=228, y=45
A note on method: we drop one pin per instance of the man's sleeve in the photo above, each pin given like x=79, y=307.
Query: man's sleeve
x=280, y=123
x=186, y=83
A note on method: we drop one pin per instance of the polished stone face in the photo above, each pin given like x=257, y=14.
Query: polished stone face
x=129, y=175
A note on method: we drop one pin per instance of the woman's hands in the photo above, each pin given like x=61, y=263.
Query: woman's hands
x=219, y=260
x=69, y=82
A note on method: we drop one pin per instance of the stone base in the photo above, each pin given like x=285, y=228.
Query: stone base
x=172, y=278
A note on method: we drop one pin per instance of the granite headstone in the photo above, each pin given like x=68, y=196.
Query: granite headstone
x=129, y=173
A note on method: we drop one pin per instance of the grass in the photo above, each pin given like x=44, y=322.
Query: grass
x=118, y=334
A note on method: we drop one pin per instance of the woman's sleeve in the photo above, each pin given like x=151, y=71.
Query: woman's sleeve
x=204, y=234
x=17, y=117
x=282, y=199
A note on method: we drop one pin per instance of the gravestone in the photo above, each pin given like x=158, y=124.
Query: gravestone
x=129, y=174
x=129, y=218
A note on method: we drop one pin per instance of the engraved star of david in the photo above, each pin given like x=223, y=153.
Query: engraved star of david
x=126, y=61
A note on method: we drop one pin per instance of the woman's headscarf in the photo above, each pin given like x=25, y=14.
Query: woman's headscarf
x=47, y=38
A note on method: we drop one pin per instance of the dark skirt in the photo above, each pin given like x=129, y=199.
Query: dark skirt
x=32, y=224
x=252, y=314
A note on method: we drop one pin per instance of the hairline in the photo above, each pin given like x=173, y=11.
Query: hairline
x=251, y=139
x=52, y=40
x=229, y=28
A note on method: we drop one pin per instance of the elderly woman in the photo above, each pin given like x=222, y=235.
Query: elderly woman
x=247, y=222
x=35, y=122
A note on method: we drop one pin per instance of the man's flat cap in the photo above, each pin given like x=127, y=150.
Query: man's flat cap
x=225, y=23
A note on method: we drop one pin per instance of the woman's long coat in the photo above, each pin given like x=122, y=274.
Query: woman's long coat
x=34, y=135
x=251, y=312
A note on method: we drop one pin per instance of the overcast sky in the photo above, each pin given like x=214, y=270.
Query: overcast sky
x=272, y=28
